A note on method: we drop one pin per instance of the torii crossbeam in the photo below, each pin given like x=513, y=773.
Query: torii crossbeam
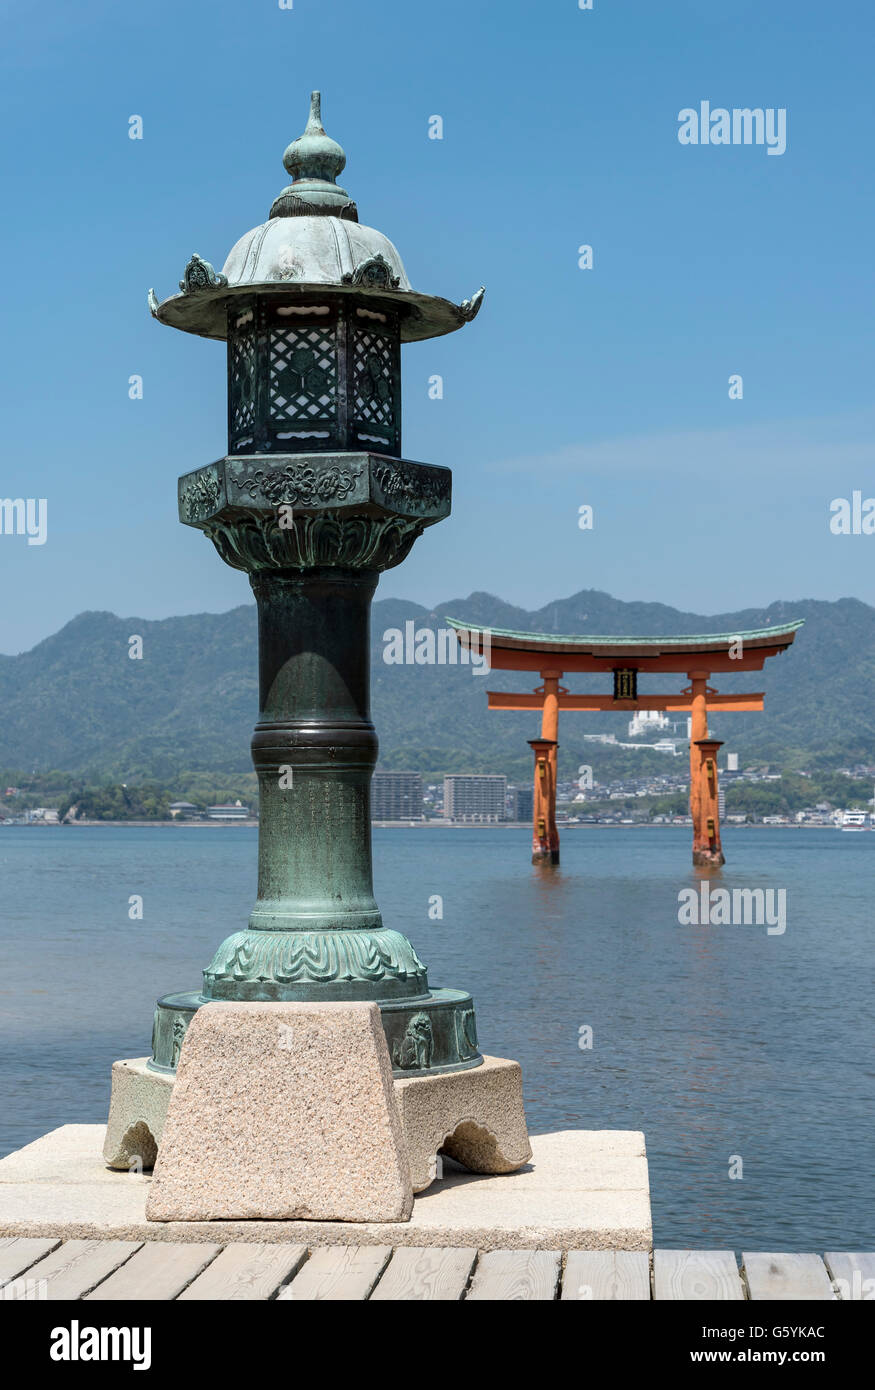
x=698, y=657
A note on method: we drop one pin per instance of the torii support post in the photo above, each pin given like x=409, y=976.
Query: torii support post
x=707, y=850
x=545, y=836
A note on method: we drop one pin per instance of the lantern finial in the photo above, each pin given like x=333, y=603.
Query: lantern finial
x=314, y=124
x=314, y=161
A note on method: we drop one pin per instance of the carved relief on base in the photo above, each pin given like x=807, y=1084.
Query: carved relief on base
x=326, y=540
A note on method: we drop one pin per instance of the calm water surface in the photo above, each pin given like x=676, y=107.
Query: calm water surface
x=714, y=1040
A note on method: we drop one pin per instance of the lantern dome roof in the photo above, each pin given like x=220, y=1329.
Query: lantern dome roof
x=312, y=240
x=315, y=250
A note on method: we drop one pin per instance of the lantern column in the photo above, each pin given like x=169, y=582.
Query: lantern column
x=313, y=501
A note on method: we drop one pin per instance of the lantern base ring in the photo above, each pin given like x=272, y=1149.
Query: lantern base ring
x=426, y=1035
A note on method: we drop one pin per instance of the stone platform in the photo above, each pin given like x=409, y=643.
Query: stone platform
x=582, y=1190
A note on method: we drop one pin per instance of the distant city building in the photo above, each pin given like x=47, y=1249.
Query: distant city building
x=229, y=811
x=475, y=797
x=48, y=815
x=182, y=810
x=396, y=796
x=644, y=721
x=519, y=803
x=731, y=762
x=721, y=802
x=662, y=745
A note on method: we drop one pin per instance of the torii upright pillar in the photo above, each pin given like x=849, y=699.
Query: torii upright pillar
x=704, y=804
x=550, y=734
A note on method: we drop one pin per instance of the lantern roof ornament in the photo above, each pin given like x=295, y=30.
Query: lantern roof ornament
x=313, y=162
x=311, y=242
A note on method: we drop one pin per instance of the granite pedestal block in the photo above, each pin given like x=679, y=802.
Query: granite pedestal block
x=283, y=1112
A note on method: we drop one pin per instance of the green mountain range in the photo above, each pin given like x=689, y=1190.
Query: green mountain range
x=78, y=703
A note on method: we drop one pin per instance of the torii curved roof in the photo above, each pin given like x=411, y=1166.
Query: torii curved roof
x=511, y=650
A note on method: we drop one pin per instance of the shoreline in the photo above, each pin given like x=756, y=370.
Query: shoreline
x=563, y=826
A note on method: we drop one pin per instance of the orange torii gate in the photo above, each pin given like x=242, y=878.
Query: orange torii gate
x=697, y=657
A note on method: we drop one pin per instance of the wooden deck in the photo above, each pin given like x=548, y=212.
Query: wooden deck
x=163, y=1270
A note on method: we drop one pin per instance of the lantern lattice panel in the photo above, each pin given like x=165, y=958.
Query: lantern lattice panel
x=374, y=372
x=242, y=384
x=303, y=375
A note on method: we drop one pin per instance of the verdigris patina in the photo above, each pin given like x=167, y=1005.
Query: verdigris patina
x=314, y=501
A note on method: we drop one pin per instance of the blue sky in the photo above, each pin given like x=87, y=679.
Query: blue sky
x=606, y=387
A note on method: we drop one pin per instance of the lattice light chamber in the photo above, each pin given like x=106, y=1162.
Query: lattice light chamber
x=313, y=376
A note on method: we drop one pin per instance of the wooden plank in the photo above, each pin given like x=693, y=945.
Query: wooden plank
x=693, y=1275
x=773, y=1276
x=245, y=1271
x=532, y=1275
x=426, y=1274
x=856, y=1273
x=78, y=1266
x=607, y=1274
x=344, y=1273
x=18, y=1253
x=160, y=1270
